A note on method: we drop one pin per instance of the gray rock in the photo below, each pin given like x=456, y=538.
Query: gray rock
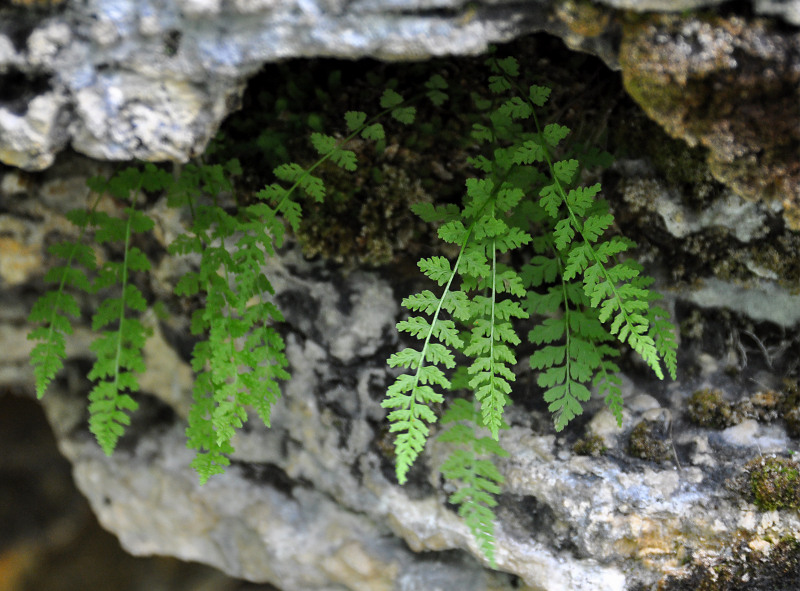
x=761, y=300
x=152, y=80
x=789, y=10
x=312, y=503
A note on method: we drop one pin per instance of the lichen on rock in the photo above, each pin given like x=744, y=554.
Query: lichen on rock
x=729, y=84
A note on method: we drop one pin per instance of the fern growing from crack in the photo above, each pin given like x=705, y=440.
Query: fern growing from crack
x=525, y=202
x=239, y=357
x=588, y=299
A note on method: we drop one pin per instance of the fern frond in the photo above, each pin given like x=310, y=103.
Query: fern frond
x=52, y=311
x=119, y=350
x=662, y=331
x=410, y=395
x=478, y=479
x=579, y=221
x=242, y=360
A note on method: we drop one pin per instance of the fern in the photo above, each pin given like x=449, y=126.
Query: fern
x=478, y=477
x=240, y=360
x=616, y=293
x=525, y=202
x=588, y=298
x=118, y=349
x=54, y=308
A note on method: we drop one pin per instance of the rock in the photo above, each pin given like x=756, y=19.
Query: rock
x=312, y=503
x=746, y=76
x=749, y=433
x=762, y=300
x=789, y=10
x=126, y=80
x=153, y=81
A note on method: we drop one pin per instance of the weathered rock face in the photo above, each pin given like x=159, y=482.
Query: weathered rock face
x=312, y=503
x=152, y=80
x=730, y=85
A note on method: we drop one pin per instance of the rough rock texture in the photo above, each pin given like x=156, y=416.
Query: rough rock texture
x=730, y=85
x=312, y=503
x=152, y=80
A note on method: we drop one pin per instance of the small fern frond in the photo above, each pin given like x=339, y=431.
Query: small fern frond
x=477, y=478
x=410, y=396
x=241, y=361
x=52, y=311
x=119, y=350
x=662, y=331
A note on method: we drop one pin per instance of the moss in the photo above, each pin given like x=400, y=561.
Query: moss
x=364, y=219
x=708, y=408
x=647, y=443
x=790, y=407
x=774, y=483
x=765, y=405
x=590, y=444
x=792, y=418
x=682, y=166
x=757, y=161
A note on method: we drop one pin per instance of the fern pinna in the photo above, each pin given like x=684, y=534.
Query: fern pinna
x=586, y=298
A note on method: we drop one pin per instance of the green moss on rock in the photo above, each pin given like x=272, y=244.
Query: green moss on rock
x=646, y=443
x=365, y=218
x=743, y=111
x=708, y=408
x=774, y=483
x=590, y=444
x=743, y=569
x=790, y=407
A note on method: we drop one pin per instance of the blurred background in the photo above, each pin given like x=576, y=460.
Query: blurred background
x=50, y=539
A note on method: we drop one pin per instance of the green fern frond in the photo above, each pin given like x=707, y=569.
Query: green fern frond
x=410, y=396
x=242, y=360
x=477, y=478
x=579, y=222
x=119, y=350
x=52, y=311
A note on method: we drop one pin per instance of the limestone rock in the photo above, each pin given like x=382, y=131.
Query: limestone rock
x=730, y=85
x=312, y=503
x=153, y=80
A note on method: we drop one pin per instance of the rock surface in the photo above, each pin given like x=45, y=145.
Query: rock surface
x=730, y=85
x=312, y=503
x=126, y=79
